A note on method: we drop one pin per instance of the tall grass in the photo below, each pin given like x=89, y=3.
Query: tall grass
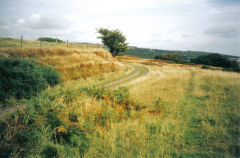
x=174, y=111
x=164, y=116
x=71, y=63
x=200, y=112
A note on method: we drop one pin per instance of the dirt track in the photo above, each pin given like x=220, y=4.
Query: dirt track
x=139, y=71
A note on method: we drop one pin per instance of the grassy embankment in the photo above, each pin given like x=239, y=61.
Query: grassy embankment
x=90, y=59
x=173, y=111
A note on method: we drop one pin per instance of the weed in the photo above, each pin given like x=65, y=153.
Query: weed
x=50, y=151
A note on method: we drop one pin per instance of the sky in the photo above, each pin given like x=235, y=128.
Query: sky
x=200, y=25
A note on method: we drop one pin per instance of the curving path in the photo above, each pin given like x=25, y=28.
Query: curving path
x=139, y=71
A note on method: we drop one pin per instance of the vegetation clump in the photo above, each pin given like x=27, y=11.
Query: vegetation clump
x=21, y=78
x=171, y=57
x=50, y=151
x=49, y=128
x=218, y=61
x=41, y=130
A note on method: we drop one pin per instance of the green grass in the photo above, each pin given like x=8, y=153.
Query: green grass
x=199, y=117
x=88, y=122
x=171, y=112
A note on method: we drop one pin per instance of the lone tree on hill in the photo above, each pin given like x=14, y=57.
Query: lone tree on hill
x=114, y=40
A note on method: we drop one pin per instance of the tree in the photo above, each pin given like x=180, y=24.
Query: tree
x=172, y=57
x=49, y=39
x=114, y=40
x=217, y=60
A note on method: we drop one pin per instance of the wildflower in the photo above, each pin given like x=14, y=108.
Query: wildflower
x=105, y=97
x=61, y=129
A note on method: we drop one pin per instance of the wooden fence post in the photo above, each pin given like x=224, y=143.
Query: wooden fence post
x=56, y=42
x=40, y=43
x=21, y=41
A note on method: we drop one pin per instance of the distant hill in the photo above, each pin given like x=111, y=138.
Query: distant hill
x=151, y=53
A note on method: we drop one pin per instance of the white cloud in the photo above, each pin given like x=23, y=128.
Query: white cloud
x=170, y=24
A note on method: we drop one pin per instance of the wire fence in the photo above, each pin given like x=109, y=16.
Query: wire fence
x=57, y=44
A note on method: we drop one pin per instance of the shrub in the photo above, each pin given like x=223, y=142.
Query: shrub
x=21, y=78
x=51, y=75
x=42, y=130
x=3, y=126
x=218, y=61
x=121, y=94
x=49, y=151
x=172, y=57
x=206, y=67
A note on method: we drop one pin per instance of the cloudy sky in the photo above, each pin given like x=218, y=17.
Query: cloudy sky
x=207, y=25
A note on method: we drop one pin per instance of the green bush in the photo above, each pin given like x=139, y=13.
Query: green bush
x=218, y=61
x=118, y=95
x=3, y=126
x=172, y=57
x=121, y=94
x=51, y=75
x=50, y=150
x=21, y=78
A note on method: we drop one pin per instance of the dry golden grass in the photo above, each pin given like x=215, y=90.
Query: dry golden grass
x=184, y=111
x=72, y=63
x=160, y=78
x=170, y=82
x=187, y=93
x=194, y=115
x=157, y=62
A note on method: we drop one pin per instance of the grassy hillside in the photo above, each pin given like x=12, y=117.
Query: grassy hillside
x=72, y=63
x=151, y=53
x=167, y=110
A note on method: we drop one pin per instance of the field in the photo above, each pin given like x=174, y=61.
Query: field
x=123, y=107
